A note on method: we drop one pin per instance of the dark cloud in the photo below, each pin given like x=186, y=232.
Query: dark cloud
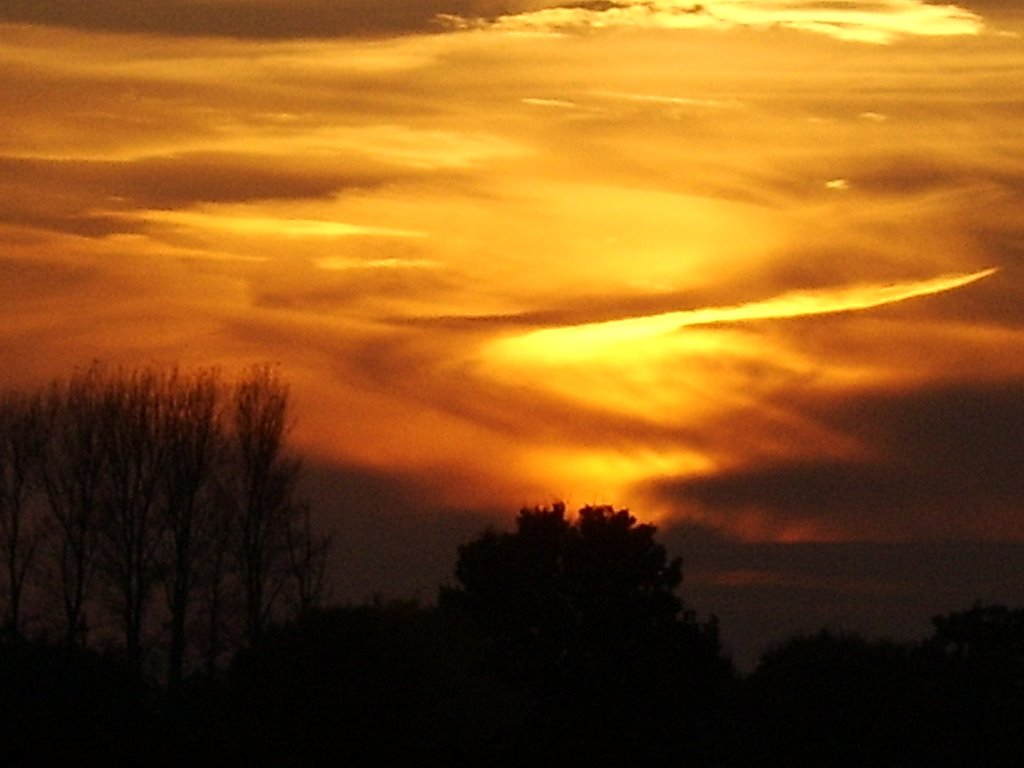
x=900, y=175
x=252, y=19
x=765, y=592
x=942, y=463
x=171, y=181
x=20, y=278
x=88, y=198
x=174, y=181
x=907, y=175
x=84, y=225
x=1008, y=10
x=257, y=19
x=378, y=272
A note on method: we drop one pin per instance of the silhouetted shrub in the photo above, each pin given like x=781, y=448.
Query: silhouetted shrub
x=974, y=686
x=831, y=700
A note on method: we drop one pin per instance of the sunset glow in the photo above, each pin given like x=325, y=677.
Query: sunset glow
x=853, y=20
x=750, y=266
x=608, y=339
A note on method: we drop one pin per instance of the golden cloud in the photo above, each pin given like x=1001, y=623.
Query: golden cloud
x=850, y=20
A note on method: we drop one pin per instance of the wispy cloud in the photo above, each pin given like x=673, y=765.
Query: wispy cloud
x=253, y=19
x=851, y=20
x=259, y=226
x=595, y=340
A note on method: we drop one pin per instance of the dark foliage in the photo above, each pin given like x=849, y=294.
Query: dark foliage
x=956, y=699
x=372, y=685
x=62, y=706
x=828, y=699
x=975, y=685
x=564, y=642
x=586, y=615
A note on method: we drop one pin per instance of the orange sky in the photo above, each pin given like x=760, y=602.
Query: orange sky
x=750, y=268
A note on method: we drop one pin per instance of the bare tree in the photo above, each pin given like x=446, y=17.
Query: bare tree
x=265, y=480
x=153, y=477
x=217, y=623
x=134, y=404
x=22, y=439
x=194, y=442
x=72, y=471
x=307, y=560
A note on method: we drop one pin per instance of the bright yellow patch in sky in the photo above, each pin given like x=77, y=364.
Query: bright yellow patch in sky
x=882, y=21
x=608, y=339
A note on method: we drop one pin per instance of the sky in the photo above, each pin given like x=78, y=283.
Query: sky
x=753, y=269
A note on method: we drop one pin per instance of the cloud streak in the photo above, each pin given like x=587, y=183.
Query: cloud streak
x=848, y=20
x=600, y=339
x=254, y=19
x=934, y=464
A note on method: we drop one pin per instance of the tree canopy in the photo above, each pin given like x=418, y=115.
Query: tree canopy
x=587, y=614
x=601, y=574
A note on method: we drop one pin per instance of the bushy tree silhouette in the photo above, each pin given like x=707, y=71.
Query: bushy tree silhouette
x=975, y=685
x=588, y=616
x=954, y=699
x=831, y=699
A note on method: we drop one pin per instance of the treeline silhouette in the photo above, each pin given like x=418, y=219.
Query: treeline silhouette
x=153, y=514
x=562, y=641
